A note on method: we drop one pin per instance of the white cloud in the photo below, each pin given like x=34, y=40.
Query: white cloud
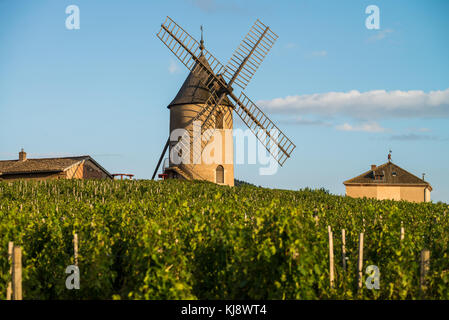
x=212, y=6
x=306, y=122
x=373, y=127
x=382, y=34
x=205, y=5
x=414, y=137
x=321, y=53
x=291, y=45
x=419, y=130
x=173, y=67
x=370, y=105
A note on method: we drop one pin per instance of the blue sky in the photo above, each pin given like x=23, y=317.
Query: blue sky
x=344, y=94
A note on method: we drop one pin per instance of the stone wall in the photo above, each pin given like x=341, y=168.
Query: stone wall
x=408, y=193
x=181, y=116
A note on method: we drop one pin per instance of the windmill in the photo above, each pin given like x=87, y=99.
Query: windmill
x=208, y=97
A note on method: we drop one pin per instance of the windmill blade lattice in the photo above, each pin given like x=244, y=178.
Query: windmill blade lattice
x=243, y=65
x=276, y=142
x=249, y=55
x=188, y=50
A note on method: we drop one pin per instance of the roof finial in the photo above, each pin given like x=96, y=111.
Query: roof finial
x=389, y=156
x=202, y=41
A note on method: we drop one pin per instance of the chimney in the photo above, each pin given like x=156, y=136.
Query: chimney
x=373, y=167
x=22, y=155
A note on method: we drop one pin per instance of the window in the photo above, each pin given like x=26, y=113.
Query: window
x=379, y=175
x=219, y=174
x=219, y=120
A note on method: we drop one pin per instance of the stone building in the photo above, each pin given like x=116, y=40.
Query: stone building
x=190, y=99
x=388, y=181
x=83, y=167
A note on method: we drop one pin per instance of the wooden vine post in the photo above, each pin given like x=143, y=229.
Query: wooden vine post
x=425, y=266
x=9, y=288
x=17, y=273
x=402, y=232
x=343, y=248
x=75, y=248
x=331, y=257
x=360, y=264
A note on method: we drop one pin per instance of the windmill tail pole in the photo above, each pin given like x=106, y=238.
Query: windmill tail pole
x=160, y=159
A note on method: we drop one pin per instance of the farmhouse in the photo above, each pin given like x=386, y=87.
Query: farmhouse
x=82, y=167
x=388, y=181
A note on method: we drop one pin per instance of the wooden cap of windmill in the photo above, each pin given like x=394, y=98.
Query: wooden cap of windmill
x=193, y=90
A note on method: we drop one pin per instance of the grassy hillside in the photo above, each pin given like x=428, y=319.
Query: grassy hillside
x=178, y=240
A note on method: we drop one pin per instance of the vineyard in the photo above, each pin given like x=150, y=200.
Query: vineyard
x=195, y=240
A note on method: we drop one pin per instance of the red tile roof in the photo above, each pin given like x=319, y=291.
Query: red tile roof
x=43, y=165
x=387, y=174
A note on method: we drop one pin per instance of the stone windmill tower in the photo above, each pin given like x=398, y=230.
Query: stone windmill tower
x=204, y=106
x=187, y=104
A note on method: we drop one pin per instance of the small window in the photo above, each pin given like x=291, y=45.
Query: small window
x=219, y=174
x=394, y=174
x=378, y=177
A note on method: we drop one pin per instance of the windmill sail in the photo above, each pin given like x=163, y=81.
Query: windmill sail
x=249, y=55
x=274, y=140
x=188, y=50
